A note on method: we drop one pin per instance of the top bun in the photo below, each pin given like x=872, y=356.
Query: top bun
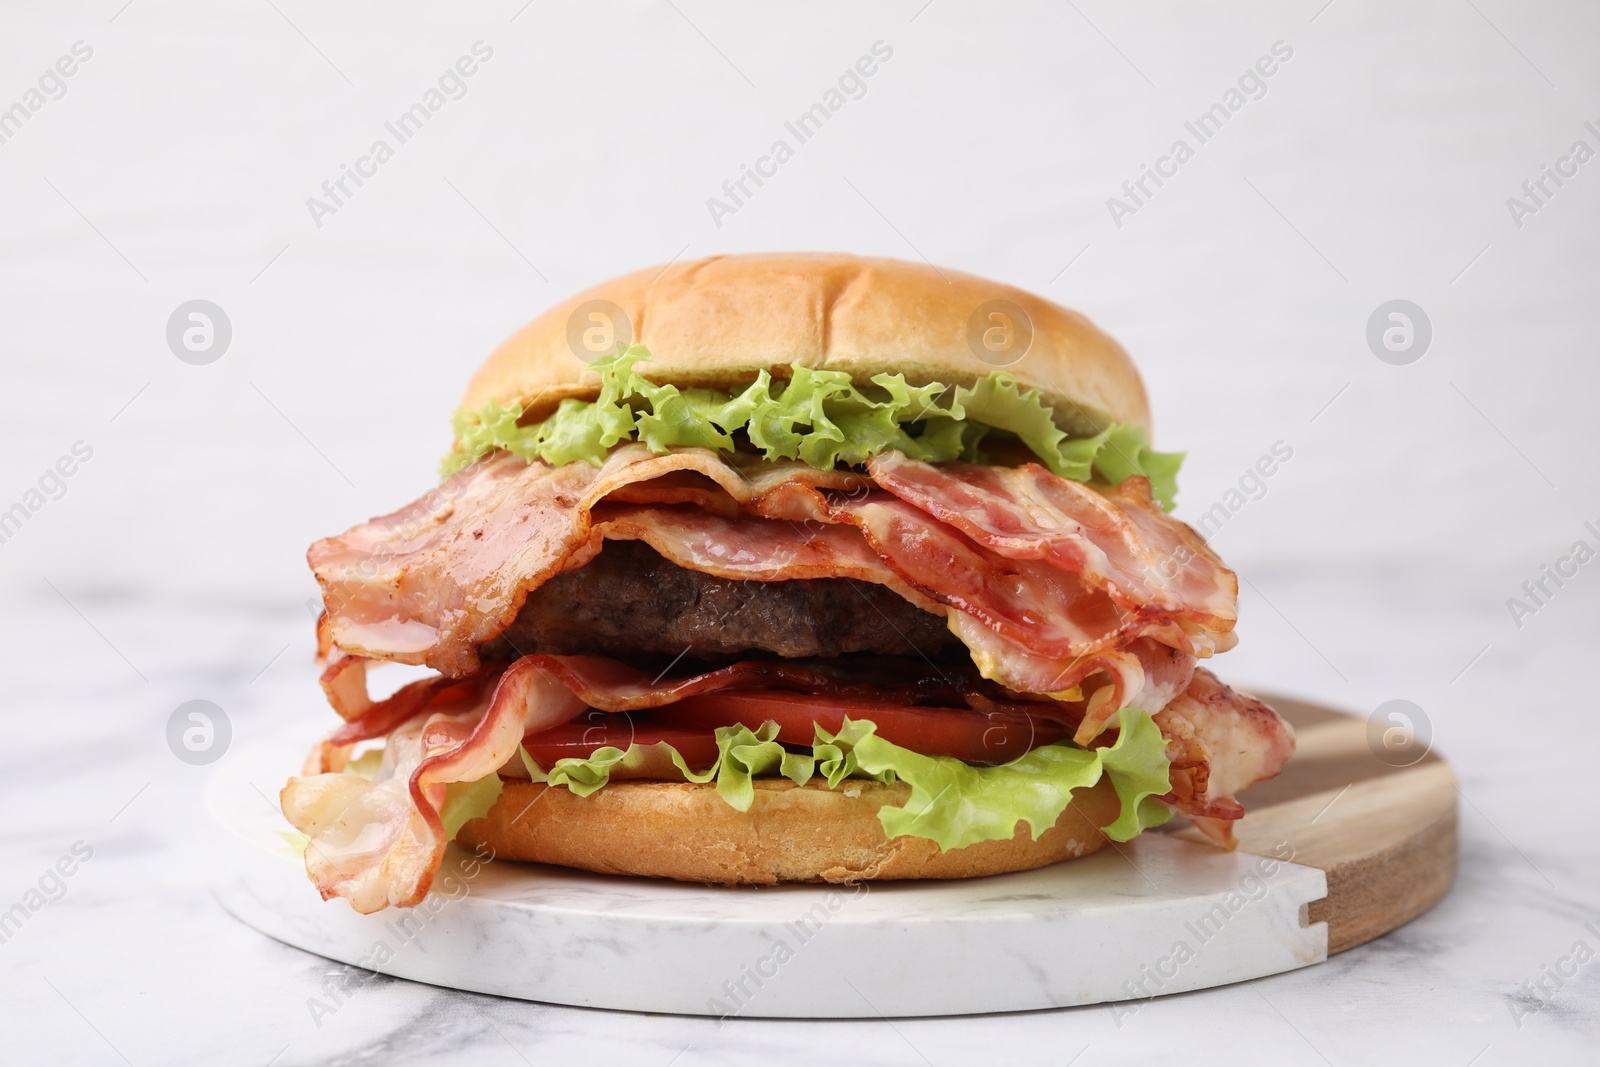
x=719, y=321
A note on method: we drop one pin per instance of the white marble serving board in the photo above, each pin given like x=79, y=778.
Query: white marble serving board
x=1151, y=917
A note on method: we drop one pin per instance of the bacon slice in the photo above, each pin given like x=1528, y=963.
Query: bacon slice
x=750, y=548
x=1007, y=612
x=1115, y=537
x=379, y=842
x=377, y=720
x=432, y=581
x=1057, y=588
x=1144, y=674
x=1064, y=571
x=1033, y=604
x=1219, y=742
x=344, y=682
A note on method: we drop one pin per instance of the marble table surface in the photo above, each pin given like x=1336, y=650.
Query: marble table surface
x=114, y=950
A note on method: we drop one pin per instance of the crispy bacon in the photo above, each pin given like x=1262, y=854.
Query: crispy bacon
x=1219, y=742
x=379, y=719
x=1143, y=674
x=1081, y=599
x=1031, y=603
x=751, y=548
x=432, y=582
x=1115, y=537
x=344, y=682
x=378, y=842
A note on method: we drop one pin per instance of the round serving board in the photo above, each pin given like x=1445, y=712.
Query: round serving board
x=1340, y=848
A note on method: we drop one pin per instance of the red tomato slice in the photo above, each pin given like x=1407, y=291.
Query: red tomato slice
x=973, y=736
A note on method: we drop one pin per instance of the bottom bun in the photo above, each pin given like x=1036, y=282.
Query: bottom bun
x=791, y=833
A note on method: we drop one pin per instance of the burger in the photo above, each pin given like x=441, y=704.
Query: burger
x=780, y=568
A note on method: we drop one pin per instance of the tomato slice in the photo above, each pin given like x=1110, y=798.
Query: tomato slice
x=974, y=736
x=599, y=729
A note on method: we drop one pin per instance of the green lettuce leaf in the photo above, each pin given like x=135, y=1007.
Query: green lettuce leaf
x=742, y=755
x=817, y=416
x=1121, y=451
x=956, y=803
x=294, y=842
x=465, y=801
x=952, y=803
x=1140, y=772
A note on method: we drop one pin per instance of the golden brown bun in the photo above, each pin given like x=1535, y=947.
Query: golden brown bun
x=718, y=321
x=790, y=834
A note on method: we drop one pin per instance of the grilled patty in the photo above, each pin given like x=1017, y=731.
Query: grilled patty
x=629, y=600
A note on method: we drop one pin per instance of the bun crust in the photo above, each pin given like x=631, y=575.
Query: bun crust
x=719, y=321
x=790, y=834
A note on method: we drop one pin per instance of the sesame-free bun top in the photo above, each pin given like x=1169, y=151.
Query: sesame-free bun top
x=719, y=321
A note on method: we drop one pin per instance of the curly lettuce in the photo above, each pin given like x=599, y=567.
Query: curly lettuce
x=465, y=801
x=742, y=755
x=818, y=416
x=952, y=803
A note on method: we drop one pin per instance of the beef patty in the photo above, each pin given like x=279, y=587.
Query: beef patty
x=628, y=600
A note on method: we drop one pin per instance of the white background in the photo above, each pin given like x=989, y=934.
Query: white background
x=1377, y=166
x=592, y=140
